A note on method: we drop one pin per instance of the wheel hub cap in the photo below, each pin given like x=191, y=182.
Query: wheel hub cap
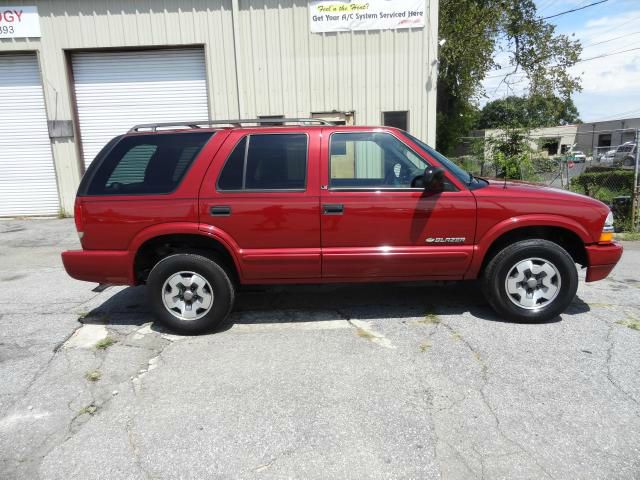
x=187, y=295
x=533, y=283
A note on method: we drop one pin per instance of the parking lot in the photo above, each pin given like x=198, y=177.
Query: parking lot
x=362, y=381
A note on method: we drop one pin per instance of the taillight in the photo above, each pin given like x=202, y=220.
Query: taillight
x=77, y=216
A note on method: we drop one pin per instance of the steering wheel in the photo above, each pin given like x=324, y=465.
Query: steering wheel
x=398, y=175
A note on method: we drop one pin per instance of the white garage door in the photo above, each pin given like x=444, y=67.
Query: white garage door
x=116, y=90
x=27, y=177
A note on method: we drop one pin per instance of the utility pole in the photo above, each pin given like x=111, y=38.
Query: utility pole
x=635, y=191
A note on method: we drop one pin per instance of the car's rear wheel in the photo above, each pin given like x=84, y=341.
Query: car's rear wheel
x=190, y=293
x=530, y=281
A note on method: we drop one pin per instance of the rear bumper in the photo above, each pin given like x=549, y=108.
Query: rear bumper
x=602, y=259
x=100, y=266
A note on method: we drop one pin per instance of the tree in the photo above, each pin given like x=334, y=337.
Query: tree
x=527, y=112
x=475, y=31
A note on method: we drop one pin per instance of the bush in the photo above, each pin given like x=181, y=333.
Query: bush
x=605, y=184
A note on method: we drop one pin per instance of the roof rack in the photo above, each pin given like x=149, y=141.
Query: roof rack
x=236, y=123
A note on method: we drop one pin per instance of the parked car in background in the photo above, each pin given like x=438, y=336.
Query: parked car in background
x=194, y=213
x=578, y=156
x=625, y=155
x=607, y=157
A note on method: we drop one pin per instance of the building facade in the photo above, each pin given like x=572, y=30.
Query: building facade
x=88, y=70
x=594, y=139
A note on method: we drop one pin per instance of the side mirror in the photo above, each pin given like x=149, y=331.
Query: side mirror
x=432, y=180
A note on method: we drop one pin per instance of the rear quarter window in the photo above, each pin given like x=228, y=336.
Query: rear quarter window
x=147, y=164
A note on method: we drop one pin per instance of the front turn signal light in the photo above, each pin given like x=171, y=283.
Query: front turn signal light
x=606, y=237
x=607, y=230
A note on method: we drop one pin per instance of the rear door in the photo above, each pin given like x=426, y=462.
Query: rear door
x=375, y=226
x=262, y=195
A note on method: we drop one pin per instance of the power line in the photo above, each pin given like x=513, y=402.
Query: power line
x=574, y=10
x=611, y=39
x=608, y=54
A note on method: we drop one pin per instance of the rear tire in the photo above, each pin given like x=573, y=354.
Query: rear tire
x=530, y=281
x=190, y=293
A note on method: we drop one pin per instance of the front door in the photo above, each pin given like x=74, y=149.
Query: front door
x=375, y=226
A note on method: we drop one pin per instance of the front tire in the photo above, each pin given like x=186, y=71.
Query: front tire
x=190, y=293
x=530, y=281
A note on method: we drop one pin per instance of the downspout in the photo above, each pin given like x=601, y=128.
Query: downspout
x=235, y=13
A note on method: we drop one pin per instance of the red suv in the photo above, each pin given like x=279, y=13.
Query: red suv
x=194, y=212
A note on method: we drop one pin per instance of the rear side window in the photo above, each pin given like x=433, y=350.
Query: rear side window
x=266, y=162
x=147, y=164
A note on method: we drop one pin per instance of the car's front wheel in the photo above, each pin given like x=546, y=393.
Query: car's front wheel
x=530, y=281
x=190, y=293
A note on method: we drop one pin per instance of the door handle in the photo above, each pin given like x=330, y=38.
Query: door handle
x=333, y=209
x=220, y=211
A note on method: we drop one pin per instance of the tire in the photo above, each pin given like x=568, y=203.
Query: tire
x=551, y=266
x=209, y=302
x=629, y=162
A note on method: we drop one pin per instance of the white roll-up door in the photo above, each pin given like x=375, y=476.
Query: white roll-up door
x=27, y=176
x=116, y=90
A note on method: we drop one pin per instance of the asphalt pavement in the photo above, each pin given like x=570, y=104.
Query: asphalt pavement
x=350, y=382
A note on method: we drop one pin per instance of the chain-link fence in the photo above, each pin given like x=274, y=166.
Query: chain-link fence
x=608, y=174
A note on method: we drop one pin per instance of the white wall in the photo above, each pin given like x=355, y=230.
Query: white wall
x=282, y=67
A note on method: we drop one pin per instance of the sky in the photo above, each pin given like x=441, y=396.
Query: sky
x=610, y=85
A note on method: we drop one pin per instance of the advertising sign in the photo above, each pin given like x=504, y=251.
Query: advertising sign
x=19, y=22
x=345, y=15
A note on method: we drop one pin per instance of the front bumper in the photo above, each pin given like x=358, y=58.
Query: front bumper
x=100, y=266
x=601, y=260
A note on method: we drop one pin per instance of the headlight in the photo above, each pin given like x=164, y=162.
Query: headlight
x=607, y=229
x=608, y=223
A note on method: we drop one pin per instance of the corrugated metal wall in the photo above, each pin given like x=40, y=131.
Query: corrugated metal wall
x=282, y=67
x=285, y=69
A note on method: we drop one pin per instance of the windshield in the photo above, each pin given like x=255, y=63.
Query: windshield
x=462, y=175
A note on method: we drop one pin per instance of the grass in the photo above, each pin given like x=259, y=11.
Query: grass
x=430, y=318
x=93, y=375
x=632, y=324
x=361, y=332
x=628, y=236
x=89, y=409
x=105, y=343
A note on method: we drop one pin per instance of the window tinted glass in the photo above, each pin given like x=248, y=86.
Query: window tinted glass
x=231, y=176
x=151, y=164
x=270, y=162
x=462, y=175
x=370, y=160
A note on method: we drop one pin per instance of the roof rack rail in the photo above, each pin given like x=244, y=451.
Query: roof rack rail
x=236, y=123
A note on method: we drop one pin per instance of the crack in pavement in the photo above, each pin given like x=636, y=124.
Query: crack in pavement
x=610, y=377
x=135, y=448
x=484, y=371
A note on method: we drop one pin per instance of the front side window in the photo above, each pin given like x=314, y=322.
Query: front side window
x=147, y=164
x=266, y=162
x=372, y=160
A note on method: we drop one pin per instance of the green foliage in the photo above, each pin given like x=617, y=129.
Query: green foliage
x=511, y=155
x=528, y=112
x=604, y=185
x=475, y=31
